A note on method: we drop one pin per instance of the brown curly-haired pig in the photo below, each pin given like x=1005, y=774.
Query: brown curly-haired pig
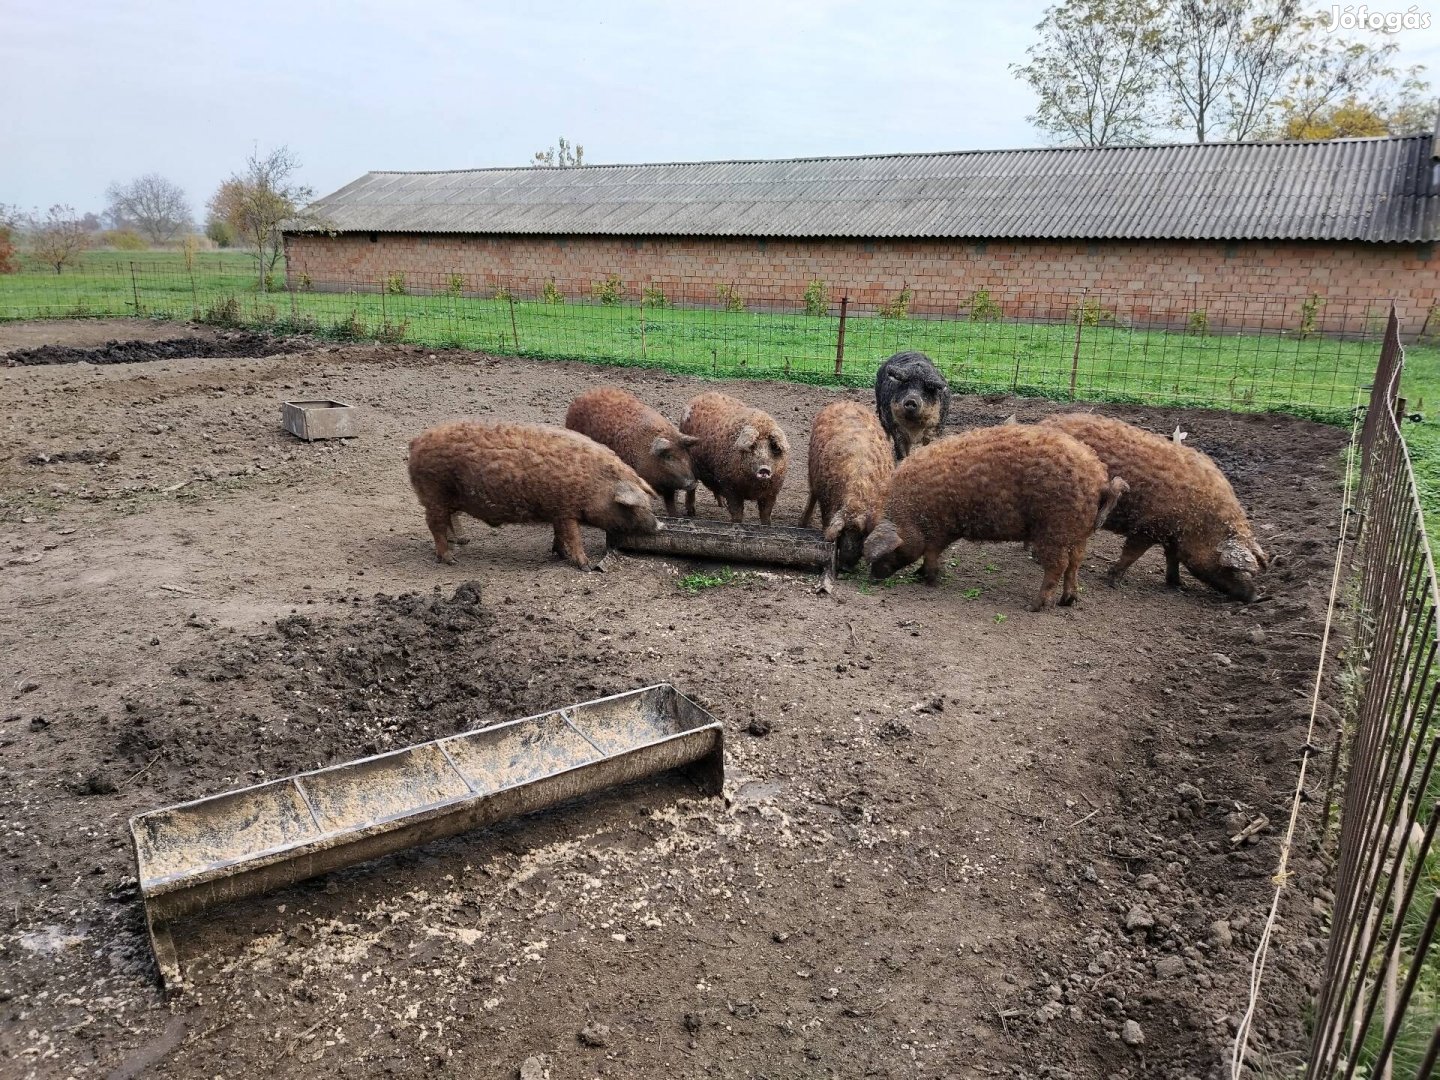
x=645, y=440
x=1179, y=499
x=740, y=454
x=997, y=483
x=850, y=465
x=506, y=473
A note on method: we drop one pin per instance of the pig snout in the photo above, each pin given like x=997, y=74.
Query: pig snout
x=911, y=404
x=764, y=472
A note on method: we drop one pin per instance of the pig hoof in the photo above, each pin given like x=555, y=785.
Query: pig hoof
x=1068, y=601
x=448, y=558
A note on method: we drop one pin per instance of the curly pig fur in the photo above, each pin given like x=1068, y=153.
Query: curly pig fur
x=504, y=473
x=740, y=454
x=1179, y=499
x=645, y=440
x=850, y=466
x=998, y=483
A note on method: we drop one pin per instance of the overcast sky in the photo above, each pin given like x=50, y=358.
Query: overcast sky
x=102, y=90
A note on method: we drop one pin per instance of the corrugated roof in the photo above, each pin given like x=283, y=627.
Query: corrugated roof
x=1377, y=190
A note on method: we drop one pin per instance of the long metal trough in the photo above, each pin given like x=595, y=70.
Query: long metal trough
x=782, y=545
x=196, y=855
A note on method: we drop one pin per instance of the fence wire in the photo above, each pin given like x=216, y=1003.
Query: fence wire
x=1307, y=355
x=1378, y=1012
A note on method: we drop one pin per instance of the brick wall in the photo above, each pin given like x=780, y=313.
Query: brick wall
x=1267, y=284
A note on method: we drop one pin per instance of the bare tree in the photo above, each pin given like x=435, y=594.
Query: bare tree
x=1093, y=70
x=59, y=238
x=257, y=201
x=150, y=204
x=560, y=156
x=10, y=219
x=1271, y=47
x=1351, y=88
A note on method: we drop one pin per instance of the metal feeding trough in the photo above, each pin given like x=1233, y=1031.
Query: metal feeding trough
x=199, y=854
x=321, y=419
x=782, y=545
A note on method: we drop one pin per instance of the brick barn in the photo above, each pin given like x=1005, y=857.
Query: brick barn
x=1351, y=222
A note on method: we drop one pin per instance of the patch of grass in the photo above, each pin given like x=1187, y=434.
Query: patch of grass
x=1000, y=618
x=972, y=593
x=699, y=582
x=1315, y=377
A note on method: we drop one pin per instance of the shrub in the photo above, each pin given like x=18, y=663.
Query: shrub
x=730, y=296
x=1092, y=313
x=223, y=311
x=983, y=307
x=455, y=284
x=550, y=294
x=395, y=285
x=124, y=240
x=8, y=263
x=392, y=333
x=654, y=296
x=1198, y=323
x=269, y=282
x=350, y=328
x=610, y=291
x=1310, y=315
x=305, y=282
x=817, y=298
x=899, y=306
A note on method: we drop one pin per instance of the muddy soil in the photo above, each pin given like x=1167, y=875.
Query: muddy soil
x=233, y=343
x=958, y=838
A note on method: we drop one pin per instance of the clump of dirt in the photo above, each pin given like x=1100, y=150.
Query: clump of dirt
x=238, y=343
x=78, y=457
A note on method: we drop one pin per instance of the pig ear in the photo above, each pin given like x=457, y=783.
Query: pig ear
x=688, y=441
x=835, y=528
x=628, y=494
x=1236, y=556
x=781, y=444
x=746, y=438
x=885, y=539
x=660, y=445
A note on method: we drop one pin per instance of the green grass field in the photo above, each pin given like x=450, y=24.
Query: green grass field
x=1308, y=375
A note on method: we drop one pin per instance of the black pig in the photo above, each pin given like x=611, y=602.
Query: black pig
x=912, y=399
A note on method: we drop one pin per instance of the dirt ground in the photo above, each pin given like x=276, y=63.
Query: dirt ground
x=958, y=838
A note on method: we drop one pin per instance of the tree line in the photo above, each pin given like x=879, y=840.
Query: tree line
x=1124, y=72
x=249, y=209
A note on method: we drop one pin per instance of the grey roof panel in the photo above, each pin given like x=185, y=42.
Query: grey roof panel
x=1378, y=190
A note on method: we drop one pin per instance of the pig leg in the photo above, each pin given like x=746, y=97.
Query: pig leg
x=1054, y=560
x=765, y=506
x=930, y=569
x=567, y=536
x=690, y=503
x=456, y=536
x=736, y=506
x=1172, y=566
x=669, y=497
x=1133, y=549
x=1070, y=591
x=439, y=521
x=809, y=510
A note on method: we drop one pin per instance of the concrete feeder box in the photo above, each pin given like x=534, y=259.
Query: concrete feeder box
x=321, y=419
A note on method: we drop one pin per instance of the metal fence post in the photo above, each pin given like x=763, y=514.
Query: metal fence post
x=514, y=329
x=135, y=288
x=840, y=338
x=1075, y=356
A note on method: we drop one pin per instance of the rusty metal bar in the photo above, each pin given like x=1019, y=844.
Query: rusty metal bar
x=840, y=338
x=1382, y=886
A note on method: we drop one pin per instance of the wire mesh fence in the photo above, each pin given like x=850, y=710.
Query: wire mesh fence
x=1378, y=1013
x=1309, y=355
